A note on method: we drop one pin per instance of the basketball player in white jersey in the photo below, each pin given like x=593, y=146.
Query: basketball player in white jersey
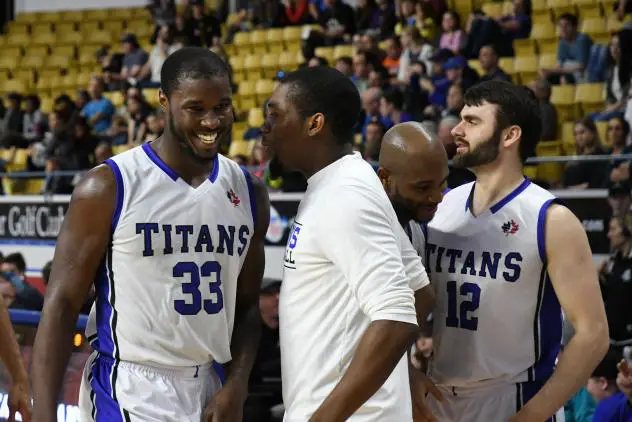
x=505, y=259
x=172, y=235
x=18, y=400
x=346, y=309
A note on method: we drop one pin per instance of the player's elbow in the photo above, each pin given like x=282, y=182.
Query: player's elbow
x=596, y=336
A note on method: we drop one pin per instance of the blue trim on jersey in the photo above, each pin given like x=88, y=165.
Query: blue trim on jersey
x=213, y=176
x=496, y=207
x=104, y=343
x=540, y=229
x=158, y=161
x=424, y=229
x=251, y=195
x=219, y=370
x=120, y=191
x=525, y=391
x=550, y=331
x=409, y=231
x=106, y=408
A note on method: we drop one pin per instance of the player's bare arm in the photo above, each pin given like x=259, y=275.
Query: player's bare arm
x=10, y=356
x=574, y=279
x=80, y=248
x=245, y=340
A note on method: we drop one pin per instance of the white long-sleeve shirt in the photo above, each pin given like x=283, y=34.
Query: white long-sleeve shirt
x=348, y=262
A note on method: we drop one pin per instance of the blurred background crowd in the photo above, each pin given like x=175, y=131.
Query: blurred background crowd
x=80, y=86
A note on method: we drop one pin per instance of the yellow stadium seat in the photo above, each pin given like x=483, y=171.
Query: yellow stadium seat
x=14, y=85
x=32, y=62
x=44, y=39
x=287, y=61
x=9, y=62
x=73, y=15
x=20, y=159
x=122, y=14
x=526, y=47
x=247, y=95
x=239, y=147
x=259, y=41
x=64, y=50
x=530, y=172
x=274, y=39
x=98, y=37
x=151, y=95
x=46, y=104
x=252, y=66
x=550, y=172
x=588, y=8
x=4, y=75
x=49, y=17
x=494, y=10
x=563, y=98
x=97, y=14
x=543, y=32
x=540, y=11
x=45, y=84
x=118, y=98
x=602, y=130
x=548, y=61
x=256, y=117
x=27, y=17
x=568, y=138
x=507, y=64
x=19, y=27
x=264, y=89
x=115, y=27
x=56, y=83
x=36, y=50
x=69, y=38
x=17, y=40
x=64, y=27
x=60, y=62
x=476, y=65
x=87, y=27
x=83, y=79
x=591, y=97
x=559, y=7
x=242, y=43
x=237, y=65
x=34, y=186
x=270, y=65
x=613, y=24
x=594, y=27
x=326, y=53
x=140, y=12
x=140, y=27
x=343, y=51
x=527, y=68
x=45, y=28
x=292, y=38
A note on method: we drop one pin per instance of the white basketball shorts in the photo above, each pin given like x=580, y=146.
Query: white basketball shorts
x=491, y=403
x=144, y=393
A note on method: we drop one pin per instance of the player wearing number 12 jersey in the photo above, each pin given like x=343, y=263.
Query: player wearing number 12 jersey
x=505, y=259
x=172, y=233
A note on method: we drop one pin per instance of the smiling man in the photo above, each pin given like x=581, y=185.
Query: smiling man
x=171, y=233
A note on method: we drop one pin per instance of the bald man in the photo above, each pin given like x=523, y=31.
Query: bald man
x=413, y=168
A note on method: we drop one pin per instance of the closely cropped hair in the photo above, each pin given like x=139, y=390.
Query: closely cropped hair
x=190, y=63
x=517, y=105
x=325, y=90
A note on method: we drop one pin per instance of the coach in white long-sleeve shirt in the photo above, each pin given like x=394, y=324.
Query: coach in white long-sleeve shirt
x=346, y=311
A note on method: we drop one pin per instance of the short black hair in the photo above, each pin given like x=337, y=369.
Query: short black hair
x=607, y=368
x=346, y=60
x=516, y=105
x=190, y=63
x=46, y=272
x=325, y=90
x=394, y=96
x=572, y=19
x=16, y=259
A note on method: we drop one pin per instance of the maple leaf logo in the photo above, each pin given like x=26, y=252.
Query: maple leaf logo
x=232, y=197
x=510, y=227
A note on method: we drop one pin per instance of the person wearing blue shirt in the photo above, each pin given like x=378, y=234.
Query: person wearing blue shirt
x=612, y=404
x=99, y=111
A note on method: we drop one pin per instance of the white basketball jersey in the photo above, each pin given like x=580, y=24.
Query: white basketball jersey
x=167, y=286
x=497, y=315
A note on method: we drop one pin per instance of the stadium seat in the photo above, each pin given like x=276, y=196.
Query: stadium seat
x=46, y=104
x=595, y=28
x=563, y=98
x=64, y=50
x=588, y=8
x=17, y=40
x=494, y=10
x=259, y=41
x=288, y=61
x=42, y=28
x=252, y=67
x=117, y=149
x=530, y=172
x=526, y=47
x=73, y=15
x=274, y=40
x=292, y=38
x=87, y=27
x=527, y=68
x=613, y=24
x=326, y=53
x=121, y=14
x=53, y=17
x=568, y=138
x=550, y=172
x=98, y=37
x=69, y=38
x=115, y=27
x=239, y=147
x=476, y=65
x=602, y=130
x=9, y=62
x=540, y=11
x=507, y=64
x=237, y=65
x=32, y=62
x=13, y=85
x=270, y=65
x=559, y=7
x=343, y=51
x=548, y=61
x=543, y=33
x=37, y=50
x=34, y=186
x=263, y=90
x=118, y=99
x=255, y=117
x=19, y=27
x=97, y=14
x=246, y=95
x=242, y=43
x=151, y=95
x=59, y=62
x=239, y=129
x=591, y=97
x=26, y=17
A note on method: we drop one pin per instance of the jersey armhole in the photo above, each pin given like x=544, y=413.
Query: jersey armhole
x=120, y=192
x=541, y=230
x=251, y=195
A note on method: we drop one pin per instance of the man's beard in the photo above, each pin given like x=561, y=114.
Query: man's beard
x=181, y=140
x=482, y=154
x=403, y=210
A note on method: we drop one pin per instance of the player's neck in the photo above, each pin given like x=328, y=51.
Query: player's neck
x=322, y=157
x=184, y=164
x=494, y=183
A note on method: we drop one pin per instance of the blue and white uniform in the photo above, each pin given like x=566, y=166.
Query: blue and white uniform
x=166, y=290
x=498, y=323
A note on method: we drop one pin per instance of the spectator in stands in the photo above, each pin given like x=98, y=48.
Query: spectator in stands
x=488, y=58
x=379, y=78
x=375, y=131
x=38, y=155
x=617, y=133
x=573, y=51
x=133, y=60
x=617, y=83
x=296, y=13
x=392, y=108
x=615, y=279
x=405, y=16
x=619, y=198
x=316, y=7
x=117, y=133
x=163, y=12
x=344, y=65
x=136, y=127
x=34, y=122
x=111, y=67
x=150, y=72
x=387, y=19
x=102, y=152
x=454, y=101
x=367, y=15
x=613, y=405
x=13, y=271
x=361, y=70
x=65, y=108
x=584, y=174
x=369, y=44
x=317, y=61
x=268, y=14
x=393, y=53
x=424, y=21
x=370, y=107
x=202, y=29
x=542, y=90
x=11, y=127
x=258, y=159
x=517, y=24
x=82, y=98
x=452, y=37
x=99, y=111
x=416, y=49
x=155, y=124
x=337, y=23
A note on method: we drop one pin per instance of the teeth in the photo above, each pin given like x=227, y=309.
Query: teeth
x=208, y=138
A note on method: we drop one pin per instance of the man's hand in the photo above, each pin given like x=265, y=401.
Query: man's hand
x=227, y=405
x=420, y=386
x=624, y=379
x=19, y=401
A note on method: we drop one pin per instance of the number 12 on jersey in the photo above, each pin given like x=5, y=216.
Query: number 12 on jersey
x=462, y=303
x=195, y=273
